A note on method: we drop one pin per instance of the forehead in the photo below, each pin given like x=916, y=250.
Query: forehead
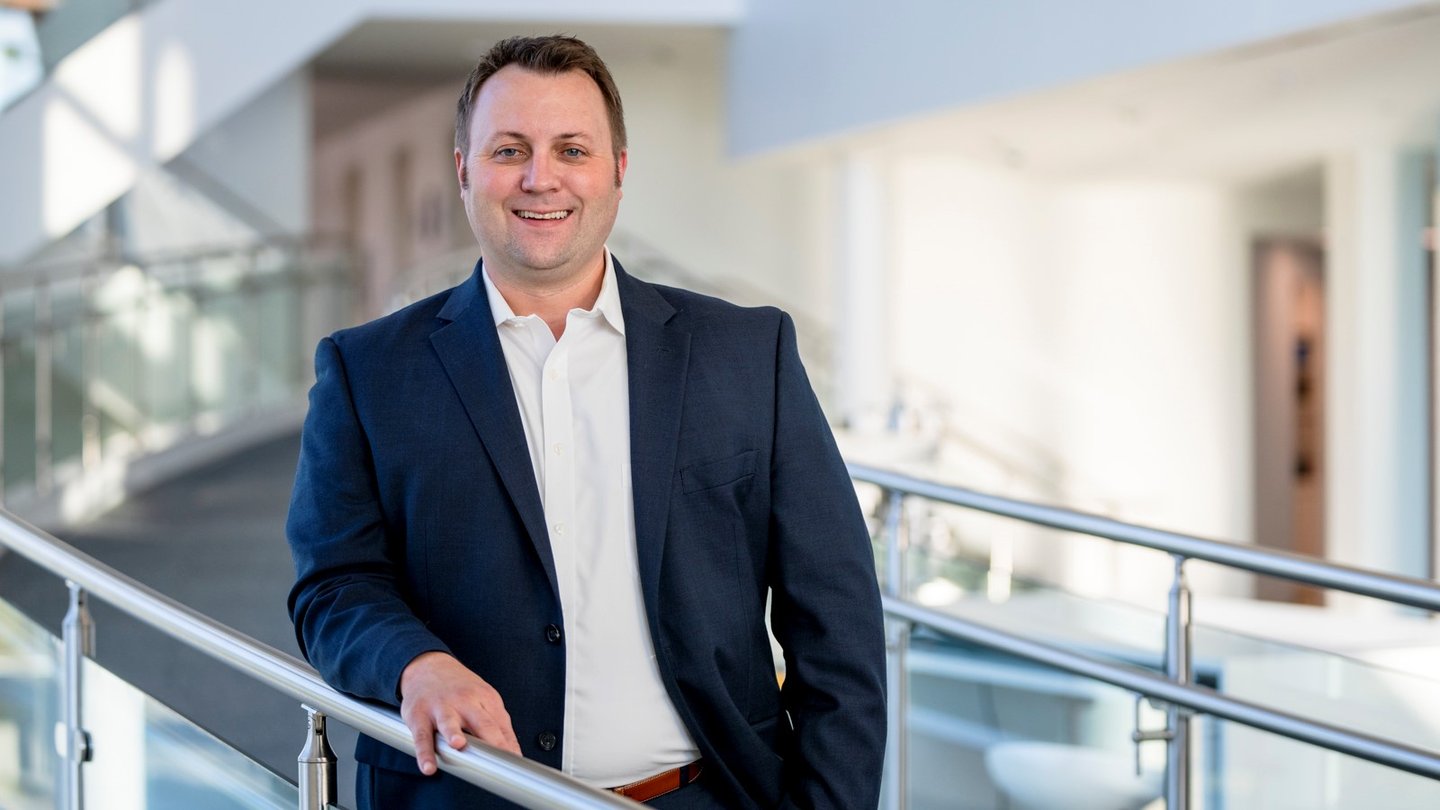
x=539, y=105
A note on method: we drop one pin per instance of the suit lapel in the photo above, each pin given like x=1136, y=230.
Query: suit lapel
x=658, y=354
x=469, y=349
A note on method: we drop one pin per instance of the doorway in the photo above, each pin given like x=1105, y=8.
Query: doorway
x=1289, y=406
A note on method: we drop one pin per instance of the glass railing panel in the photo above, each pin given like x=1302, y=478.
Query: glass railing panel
x=1341, y=689
x=119, y=333
x=147, y=757
x=1338, y=689
x=17, y=354
x=1258, y=769
x=983, y=727
x=220, y=336
x=170, y=307
x=277, y=344
x=30, y=769
x=1355, y=689
x=971, y=564
x=68, y=359
x=988, y=731
x=1344, y=689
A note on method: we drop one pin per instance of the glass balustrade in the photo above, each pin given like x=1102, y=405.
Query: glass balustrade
x=30, y=770
x=147, y=757
x=115, y=359
x=1256, y=769
x=988, y=730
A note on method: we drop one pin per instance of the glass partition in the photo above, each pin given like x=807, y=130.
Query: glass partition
x=147, y=757
x=973, y=713
x=113, y=359
x=29, y=708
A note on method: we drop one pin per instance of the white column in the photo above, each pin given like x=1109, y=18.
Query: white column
x=864, y=383
x=1377, y=392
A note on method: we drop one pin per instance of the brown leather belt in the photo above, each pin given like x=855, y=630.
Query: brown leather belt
x=661, y=783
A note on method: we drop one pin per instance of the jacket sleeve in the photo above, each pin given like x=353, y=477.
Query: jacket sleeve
x=348, y=606
x=826, y=609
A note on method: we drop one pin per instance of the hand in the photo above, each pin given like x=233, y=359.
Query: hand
x=439, y=694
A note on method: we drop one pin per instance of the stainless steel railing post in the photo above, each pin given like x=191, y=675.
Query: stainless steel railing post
x=898, y=641
x=1178, y=640
x=72, y=742
x=317, y=765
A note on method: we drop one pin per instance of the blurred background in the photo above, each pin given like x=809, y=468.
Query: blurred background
x=1168, y=263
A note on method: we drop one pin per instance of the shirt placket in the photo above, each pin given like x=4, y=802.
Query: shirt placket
x=559, y=427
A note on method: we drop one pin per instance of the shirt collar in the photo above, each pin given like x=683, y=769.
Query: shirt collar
x=607, y=303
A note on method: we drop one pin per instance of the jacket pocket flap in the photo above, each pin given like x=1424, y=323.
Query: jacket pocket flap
x=711, y=474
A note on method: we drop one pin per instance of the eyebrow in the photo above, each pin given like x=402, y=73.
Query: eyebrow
x=520, y=136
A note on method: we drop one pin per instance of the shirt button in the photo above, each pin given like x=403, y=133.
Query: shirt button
x=554, y=373
x=559, y=449
x=559, y=529
x=552, y=634
x=546, y=741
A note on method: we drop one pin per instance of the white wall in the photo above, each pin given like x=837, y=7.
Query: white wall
x=1100, y=329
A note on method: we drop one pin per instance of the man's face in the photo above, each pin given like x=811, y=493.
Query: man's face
x=541, y=184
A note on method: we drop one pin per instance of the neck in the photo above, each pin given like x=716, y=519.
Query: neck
x=552, y=302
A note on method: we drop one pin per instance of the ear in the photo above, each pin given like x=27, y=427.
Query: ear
x=621, y=165
x=460, y=174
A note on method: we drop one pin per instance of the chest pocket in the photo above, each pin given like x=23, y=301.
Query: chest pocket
x=719, y=473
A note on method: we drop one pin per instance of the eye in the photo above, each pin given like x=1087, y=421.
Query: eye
x=507, y=153
x=573, y=152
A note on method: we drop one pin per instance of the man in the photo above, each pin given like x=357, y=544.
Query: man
x=545, y=507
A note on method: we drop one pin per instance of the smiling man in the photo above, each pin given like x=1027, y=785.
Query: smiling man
x=545, y=508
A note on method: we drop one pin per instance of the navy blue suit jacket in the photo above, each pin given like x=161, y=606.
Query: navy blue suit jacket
x=416, y=525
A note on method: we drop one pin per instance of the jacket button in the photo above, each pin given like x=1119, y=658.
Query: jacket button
x=546, y=741
x=552, y=634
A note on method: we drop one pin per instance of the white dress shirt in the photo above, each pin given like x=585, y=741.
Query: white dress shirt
x=574, y=400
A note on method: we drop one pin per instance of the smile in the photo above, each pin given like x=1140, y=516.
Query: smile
x=540, y=215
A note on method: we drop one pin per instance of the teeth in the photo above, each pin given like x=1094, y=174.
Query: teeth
x=551, y=215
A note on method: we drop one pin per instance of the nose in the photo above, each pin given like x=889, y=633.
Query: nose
x=540, y=175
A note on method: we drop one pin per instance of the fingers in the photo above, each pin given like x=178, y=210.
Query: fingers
x=422, y=733
x=490, y=724
x=450, y=730
x=440, y=696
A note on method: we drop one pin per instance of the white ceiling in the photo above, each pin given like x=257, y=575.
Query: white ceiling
x=1251, y=114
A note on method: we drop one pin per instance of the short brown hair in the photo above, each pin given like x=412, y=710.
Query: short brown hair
x=549, y=54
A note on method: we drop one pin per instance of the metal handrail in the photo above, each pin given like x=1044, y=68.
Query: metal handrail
x=49, y=273
x=1298, y=567
x=1176, y=689
x=1198, y=698
x=519, y=780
